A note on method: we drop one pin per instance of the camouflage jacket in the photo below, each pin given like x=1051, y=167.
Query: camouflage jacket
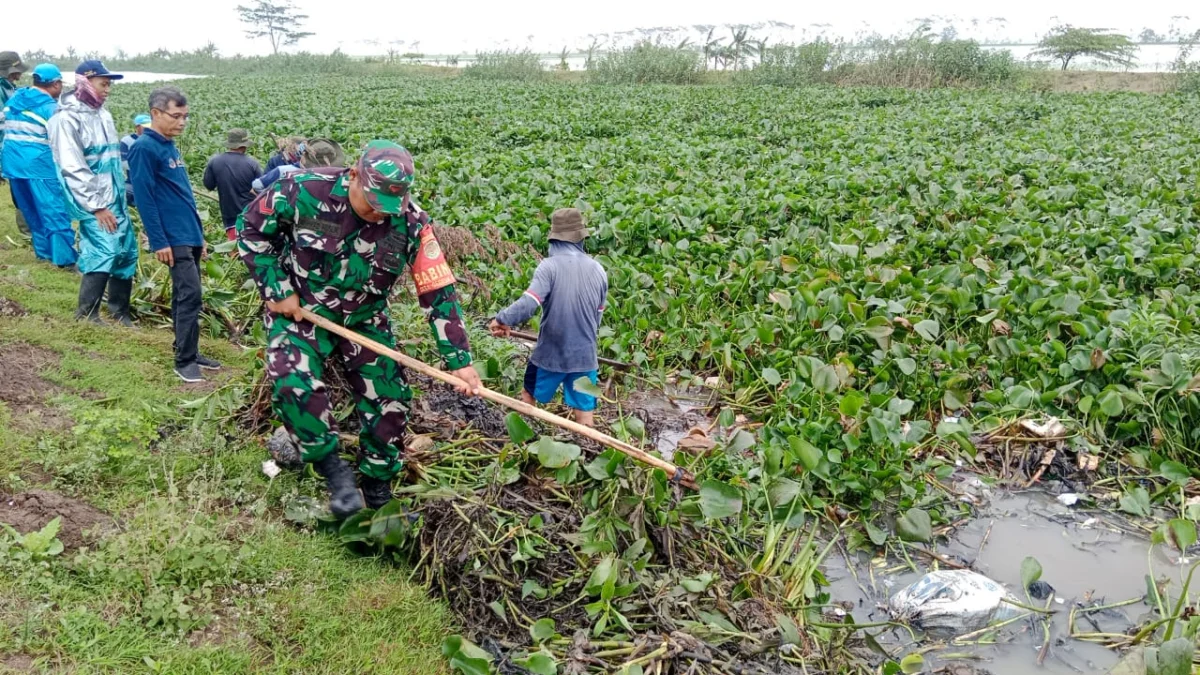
x=302, y=237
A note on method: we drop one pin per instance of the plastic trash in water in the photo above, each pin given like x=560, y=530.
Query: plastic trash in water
x=952, y=602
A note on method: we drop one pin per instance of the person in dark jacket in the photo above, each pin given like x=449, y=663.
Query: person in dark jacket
x=172, y=223
x=141, y=123
x=232, y=174
x=11, y=69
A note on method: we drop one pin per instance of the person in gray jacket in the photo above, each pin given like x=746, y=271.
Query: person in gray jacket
x=571, y=290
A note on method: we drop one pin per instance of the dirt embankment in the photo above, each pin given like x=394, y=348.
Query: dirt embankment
x=1079, y=81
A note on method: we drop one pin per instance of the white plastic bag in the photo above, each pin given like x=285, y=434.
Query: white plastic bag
x=952, y=602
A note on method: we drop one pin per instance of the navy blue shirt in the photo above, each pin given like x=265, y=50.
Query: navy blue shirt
x=232, y=175
x=163, y=192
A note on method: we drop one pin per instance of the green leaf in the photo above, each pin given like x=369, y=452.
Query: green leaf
x=771, y=377
x=1172, y=366
x=788, y=263
x=877, y=535
x=632, y=669
x=519, y=431
x=606, y=573
x=852, y=402
x=698, y=584
x=1031, y=571
x=719, y=500
x=781, y=298
x=584, y=385
x=915, y=525
x=807, y=453
x=907, y=366
x=555, y=455
x=630, y=427
x=532, y=587
x=539, y=663
x=1181, y=533
x=953, y=400
x=1171, y=658
x=783, y=491
x=913, y=663
x=466, y=657
x=1175, y=472
x=542, y=630
x=742, y=440
x=1136, y=501
x=789, y=633
x=1111, y=403
x=928, y=329
x=825, y=378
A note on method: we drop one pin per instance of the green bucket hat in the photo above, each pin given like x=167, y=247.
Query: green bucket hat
x=385, y=172
x=10, y=62
x=237, y=138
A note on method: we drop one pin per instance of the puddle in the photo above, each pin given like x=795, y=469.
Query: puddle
x=1083, y=556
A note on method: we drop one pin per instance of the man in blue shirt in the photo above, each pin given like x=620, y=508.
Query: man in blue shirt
x=570, y=288
x=141, y=123
x=172, y=223
x=29, y=166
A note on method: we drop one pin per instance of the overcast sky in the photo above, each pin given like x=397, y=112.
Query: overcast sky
x=371, y=26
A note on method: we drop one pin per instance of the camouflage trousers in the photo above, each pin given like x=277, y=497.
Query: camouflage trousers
x=296, y=356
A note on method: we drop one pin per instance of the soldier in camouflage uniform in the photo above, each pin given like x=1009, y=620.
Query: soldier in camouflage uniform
x=335, y=241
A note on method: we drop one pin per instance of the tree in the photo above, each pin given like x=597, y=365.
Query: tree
x=276, y=20
x=1149, y=36
x=1066, y=42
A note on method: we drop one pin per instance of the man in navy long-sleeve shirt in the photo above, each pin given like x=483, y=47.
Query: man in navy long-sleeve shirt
x=172, y=223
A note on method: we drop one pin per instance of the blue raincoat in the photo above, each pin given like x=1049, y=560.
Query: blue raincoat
x=29, y=166
x=87, y=151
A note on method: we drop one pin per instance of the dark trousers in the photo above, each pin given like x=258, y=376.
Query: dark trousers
x=185, y=303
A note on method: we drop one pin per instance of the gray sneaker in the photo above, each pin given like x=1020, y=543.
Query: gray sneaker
x=207, y=363
x=189, y=373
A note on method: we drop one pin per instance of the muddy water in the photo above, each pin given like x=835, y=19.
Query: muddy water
x=1082, y=555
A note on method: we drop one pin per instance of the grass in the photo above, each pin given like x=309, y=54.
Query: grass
x=201, y=574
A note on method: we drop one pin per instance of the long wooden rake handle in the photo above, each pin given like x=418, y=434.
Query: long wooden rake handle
x=676, y=473
x=532, y=337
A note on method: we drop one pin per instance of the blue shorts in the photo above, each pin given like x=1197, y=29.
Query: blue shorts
x=543, y=384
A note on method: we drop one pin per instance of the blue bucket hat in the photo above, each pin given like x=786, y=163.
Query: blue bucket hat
x=95, y=68
x=45, y=73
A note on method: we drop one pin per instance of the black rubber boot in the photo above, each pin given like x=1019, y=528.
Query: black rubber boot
x=378, y=492
x=119, y=291
x=344, y=499
x=91, y=291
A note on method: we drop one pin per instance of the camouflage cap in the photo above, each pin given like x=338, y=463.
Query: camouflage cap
x=385, y=172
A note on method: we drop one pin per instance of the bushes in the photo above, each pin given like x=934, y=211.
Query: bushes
x=918, y=61
x=646, y=63
x=506, y=65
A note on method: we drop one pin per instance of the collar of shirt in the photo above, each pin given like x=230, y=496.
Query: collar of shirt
x=157, y=136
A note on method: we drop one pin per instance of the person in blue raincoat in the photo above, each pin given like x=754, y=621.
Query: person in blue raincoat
x=87, y=151
x=29, y=166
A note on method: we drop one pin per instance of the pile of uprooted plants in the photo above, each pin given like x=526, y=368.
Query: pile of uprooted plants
x=567, y=558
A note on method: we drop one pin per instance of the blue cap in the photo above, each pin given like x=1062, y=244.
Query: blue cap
x=45, y=73
x=94, y=68
x=142, y=120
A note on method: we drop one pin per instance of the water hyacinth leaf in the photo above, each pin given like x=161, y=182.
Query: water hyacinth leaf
x=532, y=588
x=542, y=630
x=913, y=663
x=1136, y=501
x=356, y=528
x=539, y=663
x=630, y=427
x=781, y=298
x=907, y=366
x=632, y=669
x=466, y=657
x=698, y=584
x=771, y=377
x=584, y=385
x=303, y=510
x=1171, y=658
x=877, y=535
x=519, y=431
x=783, y=491
x=1175, y=472
x=915, y=525
x=807, y=453
x=742, y=440
x=788, y=263
x=852, y=402
x=825, y=378
x=553, y=454
x=1031, y=571
x=1181, y=534
x=719, y=500
x=1172, y=366
x=928, y=329
x=605, y=574
x=789, y=633
x=1111, y=403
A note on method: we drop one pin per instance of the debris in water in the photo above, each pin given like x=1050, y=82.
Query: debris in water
x=1040, y=590
x=1068, y=499
x=713, y=382
x=696, y=442
x=1051, y=428
x=953, y=602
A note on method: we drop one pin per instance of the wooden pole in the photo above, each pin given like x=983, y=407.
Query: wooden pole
x=532, y=337
x=674, y=472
